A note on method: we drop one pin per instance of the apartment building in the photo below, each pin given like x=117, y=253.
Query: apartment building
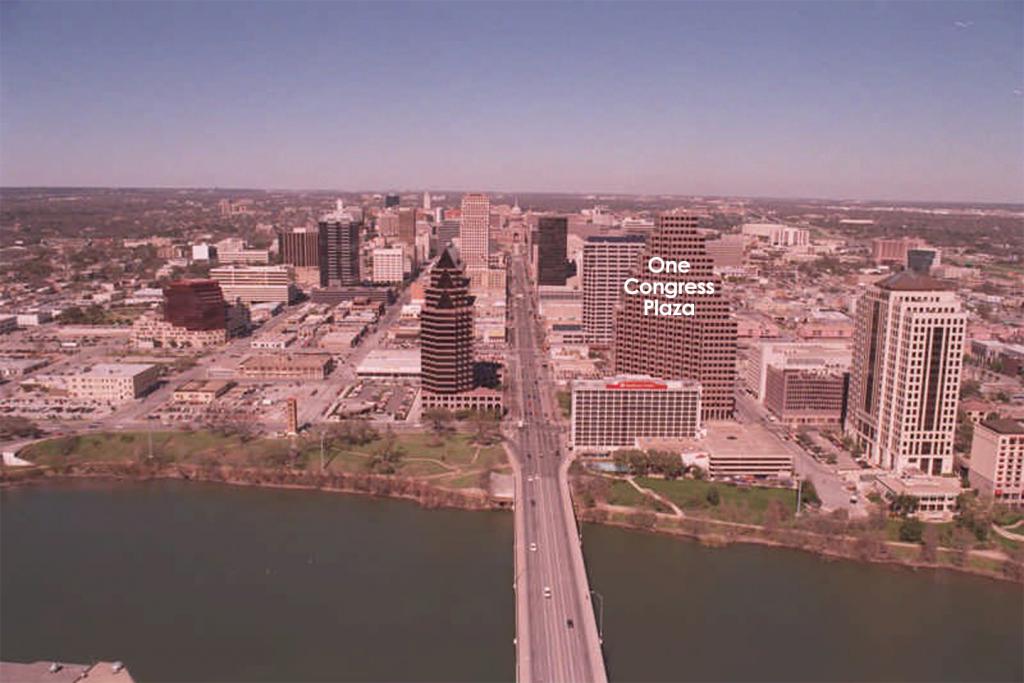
x=997, y=461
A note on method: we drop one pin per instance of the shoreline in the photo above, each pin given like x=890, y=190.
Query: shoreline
x=432, y=497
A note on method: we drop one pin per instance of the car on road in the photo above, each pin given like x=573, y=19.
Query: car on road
x=533, y=547
x=547, y=591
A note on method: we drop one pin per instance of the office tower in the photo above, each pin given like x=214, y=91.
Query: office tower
x=921, y=260
x=299, y=247
x=387, y=223
x=446, y=329
x=339, y=251
x=997, y=461
x=700, y=347
x=426, y=201
x=195, y=305
x=388, y=265
x=407, y=225
x=607, y=262
x=475, y=230
x=893, y=251
x=908, y=348
x=550, y=240
x=391, y=200
x=446, y=231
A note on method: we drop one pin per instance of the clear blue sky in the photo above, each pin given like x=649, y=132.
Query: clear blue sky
x=900, y=100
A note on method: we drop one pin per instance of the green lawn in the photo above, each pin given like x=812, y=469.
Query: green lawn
x=623, y=493
x=741, y=504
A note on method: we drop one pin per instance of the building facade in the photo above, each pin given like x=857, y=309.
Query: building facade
x=114, y=382
x=550, y=255
x=610, y=414
x=804, y=397
x=287, y=366
x=908, y=353
x=699, y=347
x=299, y=247
x=195, y=305
x=256, y=284
x=997, y=461
x=446, y=330
x=475, y=230
x=338, y=248
x=607, y=262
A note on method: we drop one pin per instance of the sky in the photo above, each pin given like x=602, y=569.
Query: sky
x=845, y=100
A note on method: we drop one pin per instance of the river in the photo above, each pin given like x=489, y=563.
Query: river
x=198, y=582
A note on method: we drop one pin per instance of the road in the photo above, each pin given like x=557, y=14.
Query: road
x=829, y=484
x=557, y=636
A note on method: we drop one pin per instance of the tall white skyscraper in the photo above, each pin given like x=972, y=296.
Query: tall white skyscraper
x=908, y=354
x=607, y=262
x=426, y=200
x=474, y=230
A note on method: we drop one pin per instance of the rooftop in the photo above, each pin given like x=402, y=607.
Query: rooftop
x=909, y=281
x=1003, y=425
x=116, y=369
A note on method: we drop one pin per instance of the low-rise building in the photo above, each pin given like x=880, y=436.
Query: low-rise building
x=391, y=364
x=113, y=382
x=8, y=323
x=614, y=413
x=276, y=340
x=737, y=451
x=287, y=366
x=201, y=391
x=997, y=461
x=936, y=496
x=806, y=396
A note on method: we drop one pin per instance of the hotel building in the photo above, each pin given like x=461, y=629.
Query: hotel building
x=701, y=347
x=908, y=353
x=613, y=413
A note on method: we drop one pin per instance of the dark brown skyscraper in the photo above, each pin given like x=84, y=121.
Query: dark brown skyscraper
x=300, y=247
x=339, y=251
x=195, y=305
x=446, y=329
x=552, y=266
x=407, y=225
x=701, y=347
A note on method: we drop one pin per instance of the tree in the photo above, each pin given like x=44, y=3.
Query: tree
x=388, y=455
x=969, y=388
x=903, y=505
x=17, y=427
x=809, y=494
x=713, y=497
x=485, y=428
x=440, y=421
x=911, y=530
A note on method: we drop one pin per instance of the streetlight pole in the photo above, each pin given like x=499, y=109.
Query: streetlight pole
x=600, y=621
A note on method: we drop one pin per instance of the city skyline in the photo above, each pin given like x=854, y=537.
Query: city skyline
x=889, y=102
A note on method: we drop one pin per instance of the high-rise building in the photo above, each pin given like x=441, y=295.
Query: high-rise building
x=893, y=251
x=339, y=251
x=388, y=265
x=446, y=329
x=391, y=199
x=475, y=230
x=195, y=305
x=426, y=200
x=445, y=232
x=607, y=262
x=908, y=349
x=407, y=225
x=550, y=243
x=299, y=247
x=700, y=347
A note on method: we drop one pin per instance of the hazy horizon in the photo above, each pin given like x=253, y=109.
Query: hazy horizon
x=912, y=102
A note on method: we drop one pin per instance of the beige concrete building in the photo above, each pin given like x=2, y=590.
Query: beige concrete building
x=905, y=377
x=201, y=391
x=287, y=366
x=997, y=461
x=113, y=382
x=475, y=230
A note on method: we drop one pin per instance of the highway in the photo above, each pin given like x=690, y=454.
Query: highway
x=557, y=636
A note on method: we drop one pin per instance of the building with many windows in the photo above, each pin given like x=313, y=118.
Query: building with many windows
x=388, y=265
x=549, y=242
x=908, y=351
x=299, y=247
x=114, y=382
x=338, y=248
x=614, y=413
x=607, y=262
x=254, y=284
x=475, y=230
x=287, y=366
x=806, y=397
x=699, y=347
x=997, y=461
